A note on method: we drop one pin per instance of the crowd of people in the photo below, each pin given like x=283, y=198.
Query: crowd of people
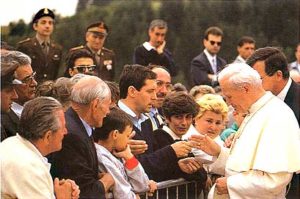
x=90, y=133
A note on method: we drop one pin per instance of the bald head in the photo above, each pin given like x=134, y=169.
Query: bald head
x=163, y=85
x=89, y=88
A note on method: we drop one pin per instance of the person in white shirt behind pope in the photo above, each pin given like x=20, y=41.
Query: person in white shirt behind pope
x=265, y=150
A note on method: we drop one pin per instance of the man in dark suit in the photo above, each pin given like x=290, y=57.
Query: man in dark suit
x=78, y=159
x=105, y=60
x=272, y=66
x=205, y=67
x=44, y=52
x=137, y=95
x=25, y=90
x=154, y=52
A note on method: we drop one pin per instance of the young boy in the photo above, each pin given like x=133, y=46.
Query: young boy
x=115, y=157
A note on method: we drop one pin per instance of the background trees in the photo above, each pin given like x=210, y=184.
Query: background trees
x=270, y=22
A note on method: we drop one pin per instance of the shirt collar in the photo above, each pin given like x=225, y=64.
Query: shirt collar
x=40, y=40
x=171, y=133
x=94, y=52
x=285, y=90
x=261, y=102
x=153, y=111
x=137, y=121
x=241, y=59
x=209, y=56
x=17, y=108
x=87, y=127
x=34, y=149
x=148, y=46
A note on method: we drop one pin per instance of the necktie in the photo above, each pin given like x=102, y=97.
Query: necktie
x=214, y=65
x=45, y=48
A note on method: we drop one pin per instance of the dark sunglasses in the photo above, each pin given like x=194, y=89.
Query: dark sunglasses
x=214, y=42
x=84, y=68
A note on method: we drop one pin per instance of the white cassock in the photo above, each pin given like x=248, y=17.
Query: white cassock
x=264, y=154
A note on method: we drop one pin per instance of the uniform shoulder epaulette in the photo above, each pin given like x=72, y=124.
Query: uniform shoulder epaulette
x=108, y=50
x=76, y=48
x=23, y=41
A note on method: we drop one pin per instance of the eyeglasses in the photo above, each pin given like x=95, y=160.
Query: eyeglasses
x=214, y=42
x=160, y=84
x=27, y=80
x=85, y=68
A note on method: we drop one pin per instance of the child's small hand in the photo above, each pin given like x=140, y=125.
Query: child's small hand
x=126, y=153
x=152, y=187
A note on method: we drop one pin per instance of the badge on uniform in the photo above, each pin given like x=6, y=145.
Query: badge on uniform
x=55, y=57
x=108, y=64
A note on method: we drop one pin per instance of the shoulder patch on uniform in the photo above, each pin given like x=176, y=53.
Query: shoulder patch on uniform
x=25, y=40
x=76, y=48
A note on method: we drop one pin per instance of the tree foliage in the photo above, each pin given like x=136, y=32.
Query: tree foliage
x=270, y=22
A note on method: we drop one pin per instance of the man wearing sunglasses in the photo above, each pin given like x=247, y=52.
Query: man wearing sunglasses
x=80, y=61
x=25, y=78
x=205, y=67
x=43, y=51
x=95, y=36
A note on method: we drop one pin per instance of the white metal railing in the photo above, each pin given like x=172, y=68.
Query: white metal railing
x=173, y=189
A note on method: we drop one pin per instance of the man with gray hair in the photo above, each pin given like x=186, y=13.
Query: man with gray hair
x=271, y=133
x=90, y=102
x=24, y=168
x=154, y=51
x=25, y=89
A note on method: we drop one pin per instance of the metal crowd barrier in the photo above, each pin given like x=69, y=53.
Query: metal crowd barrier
x=164, y=190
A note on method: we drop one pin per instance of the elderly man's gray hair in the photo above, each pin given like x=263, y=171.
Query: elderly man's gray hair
x=12, y=58
x=161, y=24
x=239, y=74
x=39, y=116
x=89, y=88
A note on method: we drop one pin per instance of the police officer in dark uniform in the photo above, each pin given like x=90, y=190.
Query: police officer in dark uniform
x=95, y=36
x=45, y=54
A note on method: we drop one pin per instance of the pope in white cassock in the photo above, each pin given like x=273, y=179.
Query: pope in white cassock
x=266, y=149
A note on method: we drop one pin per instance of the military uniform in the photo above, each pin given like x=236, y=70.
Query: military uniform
x=105, y=61
x=46, y=66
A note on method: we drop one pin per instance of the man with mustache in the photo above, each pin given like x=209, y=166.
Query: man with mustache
x=164, y=87
x=154, y=51
x=25, y=77
x=44, y=52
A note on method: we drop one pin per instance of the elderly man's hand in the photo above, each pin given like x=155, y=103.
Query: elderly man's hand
x=221, y=186
x=75, y=189
x=206, y=144
x=62, y=189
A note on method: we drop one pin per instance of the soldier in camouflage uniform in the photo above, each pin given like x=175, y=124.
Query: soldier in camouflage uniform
x=96, y=34
x=44, y=52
